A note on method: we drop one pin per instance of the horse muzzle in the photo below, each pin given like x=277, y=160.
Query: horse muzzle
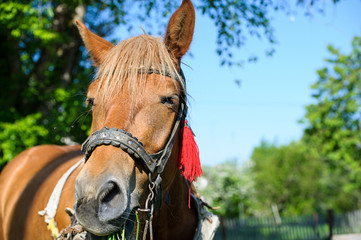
x=104, y=210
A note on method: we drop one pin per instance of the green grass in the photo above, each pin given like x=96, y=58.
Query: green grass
x=115, y=236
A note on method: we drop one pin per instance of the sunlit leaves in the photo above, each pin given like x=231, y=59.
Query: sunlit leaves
x=333, y=122
x=235, y=20
x=20, y=135
x=39, y=42
x=323, y=170
x=290, y=177
x=20, y=18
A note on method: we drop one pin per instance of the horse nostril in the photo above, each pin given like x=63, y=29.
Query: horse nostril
x=110, y=201
x=111, y=192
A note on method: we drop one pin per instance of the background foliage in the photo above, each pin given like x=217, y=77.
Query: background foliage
x=321, y=171
x=333, y=123
x=226, y=186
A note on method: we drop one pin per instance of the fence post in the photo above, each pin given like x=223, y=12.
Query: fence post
x=315, y=225
x=223, y=228
x=330, y=223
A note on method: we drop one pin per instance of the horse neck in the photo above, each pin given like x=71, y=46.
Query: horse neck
x=175, y=219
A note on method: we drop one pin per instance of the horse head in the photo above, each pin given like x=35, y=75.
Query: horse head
x=138, y=101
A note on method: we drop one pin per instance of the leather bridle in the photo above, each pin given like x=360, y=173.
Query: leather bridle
x=153, y=163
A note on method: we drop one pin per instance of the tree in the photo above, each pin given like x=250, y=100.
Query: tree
x=289, y=177
x=42, y=81
x=322, y=170
x=226, y=186
x=45, y=71
x=333, y=124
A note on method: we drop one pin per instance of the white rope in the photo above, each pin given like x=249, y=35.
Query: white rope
x=50, y=211
x=207, y=222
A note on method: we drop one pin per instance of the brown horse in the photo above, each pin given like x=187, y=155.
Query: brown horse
x=139, y=89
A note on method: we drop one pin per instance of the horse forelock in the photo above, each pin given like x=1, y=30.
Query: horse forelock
x=129, y=64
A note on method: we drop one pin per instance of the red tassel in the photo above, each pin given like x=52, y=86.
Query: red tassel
x=189, y=162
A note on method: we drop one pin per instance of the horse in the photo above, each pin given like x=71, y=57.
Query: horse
x=132, y=157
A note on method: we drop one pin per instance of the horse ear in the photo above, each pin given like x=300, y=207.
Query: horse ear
x=180, y=30
x=97, y=47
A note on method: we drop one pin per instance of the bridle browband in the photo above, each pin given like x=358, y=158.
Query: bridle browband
x=153, y=163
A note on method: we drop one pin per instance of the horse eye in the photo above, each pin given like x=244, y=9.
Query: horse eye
x=89, y=101
x=167, y=100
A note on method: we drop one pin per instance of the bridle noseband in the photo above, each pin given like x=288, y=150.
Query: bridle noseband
x=153, y=163
x=130, y=144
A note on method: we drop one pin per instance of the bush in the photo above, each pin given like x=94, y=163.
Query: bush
x=20, y=135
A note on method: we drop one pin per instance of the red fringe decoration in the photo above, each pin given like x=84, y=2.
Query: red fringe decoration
x=189, y=162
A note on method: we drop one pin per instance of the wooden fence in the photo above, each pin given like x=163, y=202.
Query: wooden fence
x=347, y=223
x=316, y=226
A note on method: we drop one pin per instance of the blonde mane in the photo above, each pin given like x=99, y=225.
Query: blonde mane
x=131, y=61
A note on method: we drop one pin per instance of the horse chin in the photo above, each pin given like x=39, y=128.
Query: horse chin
x=128, y=227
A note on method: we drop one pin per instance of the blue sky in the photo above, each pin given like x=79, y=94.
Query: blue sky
x=229, y=121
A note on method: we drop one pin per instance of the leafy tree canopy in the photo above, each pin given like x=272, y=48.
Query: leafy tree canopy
x=322, y=170
x=290, y=177
x=333, y=121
